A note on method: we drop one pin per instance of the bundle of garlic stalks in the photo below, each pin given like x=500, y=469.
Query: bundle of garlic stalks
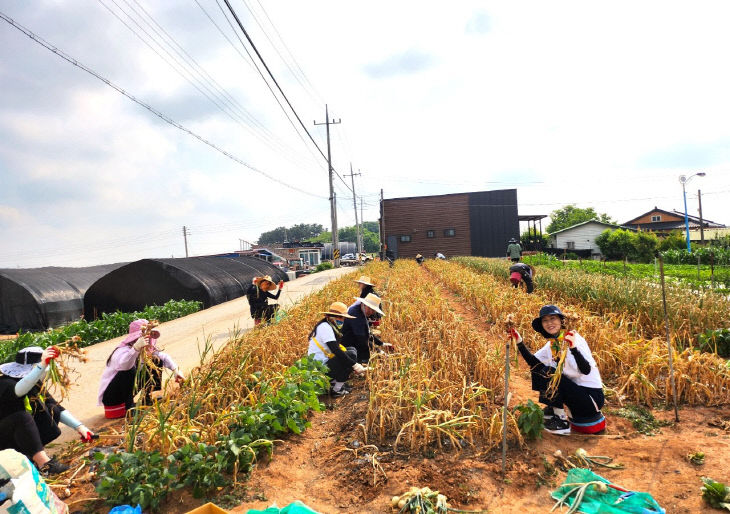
x=61, y=370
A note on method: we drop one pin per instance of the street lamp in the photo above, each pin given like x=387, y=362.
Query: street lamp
x=683, y=179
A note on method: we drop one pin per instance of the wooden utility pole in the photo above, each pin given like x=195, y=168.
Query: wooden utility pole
x=333, y=205
x=702, y=224
x=186, y=232
x=354, y=205
x=382, y=227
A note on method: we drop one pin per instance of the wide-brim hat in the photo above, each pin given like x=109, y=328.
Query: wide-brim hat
x=546, y=310
x=266, y=278
x=418, y=256
x=513, y=240
x=372, y=301
x=364, y=279
x=24, y=361
x=135, y=332
x=338, y=309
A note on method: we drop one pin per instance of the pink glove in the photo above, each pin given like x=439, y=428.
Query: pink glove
x=281, y=284
x=515, y=335
x=179, y=378
x=570, y=337
x=49, y=354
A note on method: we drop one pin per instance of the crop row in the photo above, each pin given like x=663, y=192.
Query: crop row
x=627, y=301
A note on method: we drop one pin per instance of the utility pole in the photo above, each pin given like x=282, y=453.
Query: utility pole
x=186, y=233
x=383, y=244
x=333, y=206
x=354, y=205
x=702, y=224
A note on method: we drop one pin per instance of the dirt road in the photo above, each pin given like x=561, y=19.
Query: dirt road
x=180, y=338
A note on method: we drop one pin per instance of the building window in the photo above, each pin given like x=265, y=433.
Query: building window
x=405, y=239
x=449, y=232
x=430, y=233
x=656, y=218
x=570, y=245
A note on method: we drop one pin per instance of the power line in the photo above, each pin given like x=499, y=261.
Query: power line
x=154, y=111
x=258, y=54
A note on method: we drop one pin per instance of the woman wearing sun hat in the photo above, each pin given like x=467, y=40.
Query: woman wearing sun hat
x=366, y=286
x=258, y=294
x=580, y=388
x=324, y=346
x=29, y=417
x=117, y=386
x=356, y=328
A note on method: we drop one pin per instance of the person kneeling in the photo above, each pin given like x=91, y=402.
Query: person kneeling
x=579, y=388
x=29, y=417
x=324, y=346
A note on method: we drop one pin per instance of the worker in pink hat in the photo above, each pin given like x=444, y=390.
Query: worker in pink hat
x=120, y=382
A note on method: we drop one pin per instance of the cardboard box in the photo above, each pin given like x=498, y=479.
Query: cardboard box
x=208, y=508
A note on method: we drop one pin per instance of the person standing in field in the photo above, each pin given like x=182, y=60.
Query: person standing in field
x=521, y=272
x=29, y=416
x=577, y=389
x=514, y=250
x=419, y=259
x=325, y=347
x=258, y=294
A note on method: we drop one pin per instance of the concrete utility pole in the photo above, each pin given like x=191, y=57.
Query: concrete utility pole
x=186, y=233
x=333, y=206
x=383, y=244
x=354, y=205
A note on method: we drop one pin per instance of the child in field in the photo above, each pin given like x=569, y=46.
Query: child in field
x=324, y=346
x=579, y=390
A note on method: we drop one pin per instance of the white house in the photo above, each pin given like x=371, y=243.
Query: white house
x=581, y=237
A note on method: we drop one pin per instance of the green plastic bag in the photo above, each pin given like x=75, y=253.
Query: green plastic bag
x=613, y=501
x=293, y=508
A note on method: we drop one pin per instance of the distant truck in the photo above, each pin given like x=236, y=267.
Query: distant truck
x=350, y=259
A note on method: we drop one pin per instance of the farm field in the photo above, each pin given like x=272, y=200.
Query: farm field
x=717, y=276
x=429, y=414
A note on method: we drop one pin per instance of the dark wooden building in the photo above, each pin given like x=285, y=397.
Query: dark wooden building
x=479, y=223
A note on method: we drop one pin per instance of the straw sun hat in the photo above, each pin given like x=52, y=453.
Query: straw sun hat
x=338, y=309
x=266, y=278
x=364, y=279
x=372, y=301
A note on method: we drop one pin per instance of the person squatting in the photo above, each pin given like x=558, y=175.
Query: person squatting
x=578, y=389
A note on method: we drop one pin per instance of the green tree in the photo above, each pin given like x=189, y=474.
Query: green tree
x=571, y=215
x=529, y=238
x=675, y=240
x=299, y=232
x=644, y=245
x=371, y=240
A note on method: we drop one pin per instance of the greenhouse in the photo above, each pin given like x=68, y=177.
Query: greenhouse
x=210, y=280
x=34, y=299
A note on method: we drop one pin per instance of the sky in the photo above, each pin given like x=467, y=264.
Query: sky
x=600, y=105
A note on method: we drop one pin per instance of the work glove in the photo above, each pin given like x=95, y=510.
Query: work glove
x=85, y=433
x=140, y=343
x=281, y=284
x=49, y=354
x=570, y=338
x=179, y=377
x=515, y=335
x=359, y=368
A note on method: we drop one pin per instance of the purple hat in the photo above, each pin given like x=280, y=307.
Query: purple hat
x=135, y=332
